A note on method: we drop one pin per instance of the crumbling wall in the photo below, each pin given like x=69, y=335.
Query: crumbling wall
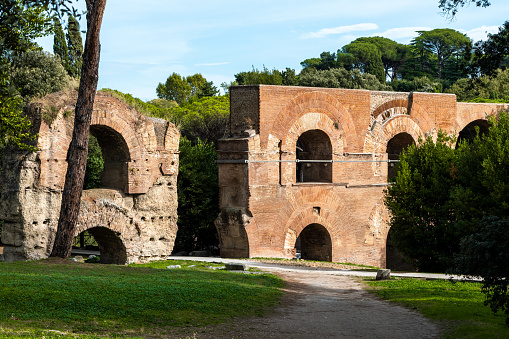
x=134, y=217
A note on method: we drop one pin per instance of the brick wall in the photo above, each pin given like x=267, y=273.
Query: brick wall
x=264, y=209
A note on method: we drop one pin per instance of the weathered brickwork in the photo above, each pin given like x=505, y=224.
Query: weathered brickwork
x=269, y=205
x=133, y=218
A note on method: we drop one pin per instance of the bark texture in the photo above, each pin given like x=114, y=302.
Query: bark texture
x=78, y=149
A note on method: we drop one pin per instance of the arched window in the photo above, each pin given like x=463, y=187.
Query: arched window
x=395, y=146
x=314, y=145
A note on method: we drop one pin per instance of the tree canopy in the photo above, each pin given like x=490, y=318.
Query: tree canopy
x=37, y=73
x=266, y=77
x=365, y=55
x=341, y=78
x=198, y=197
x=185, y=89
x=493, y=53
x=439, y=45
x=422, y=222
x=75, y=47
x=450, y=207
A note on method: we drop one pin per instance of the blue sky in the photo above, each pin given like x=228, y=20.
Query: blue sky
x=143, y=42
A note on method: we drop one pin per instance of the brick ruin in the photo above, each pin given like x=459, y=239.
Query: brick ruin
x=133, y=217
x=276, y=199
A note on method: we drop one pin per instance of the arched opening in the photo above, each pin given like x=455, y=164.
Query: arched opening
x=104, y=243
x=107, y=160
x=314, y=145
x=314, y=243
x=470, y=131
x=394, y=259
x=395, y=147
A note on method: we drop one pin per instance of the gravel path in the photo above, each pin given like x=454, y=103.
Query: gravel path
x=322, y=305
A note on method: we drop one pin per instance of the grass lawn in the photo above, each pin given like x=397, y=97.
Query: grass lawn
x=458, y=307
x=136, y=300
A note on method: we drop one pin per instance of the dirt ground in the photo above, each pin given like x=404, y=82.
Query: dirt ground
x=320, y=305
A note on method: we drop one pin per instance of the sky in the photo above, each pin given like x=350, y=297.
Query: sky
x=145, y=41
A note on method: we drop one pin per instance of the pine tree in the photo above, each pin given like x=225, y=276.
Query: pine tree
x=75, y=46
x=60, y=45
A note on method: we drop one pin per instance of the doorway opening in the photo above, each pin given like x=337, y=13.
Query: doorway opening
x=314, y=243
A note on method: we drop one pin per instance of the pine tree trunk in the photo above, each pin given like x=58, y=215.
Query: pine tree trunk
x=78, y=149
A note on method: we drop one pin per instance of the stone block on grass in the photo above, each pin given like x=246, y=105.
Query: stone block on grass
x=383, y=274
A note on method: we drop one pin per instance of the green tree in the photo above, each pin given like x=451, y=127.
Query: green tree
x=95, y=164
x=198, y=197
x=393, y=54
x=259, y=77
x=226, y=86
x=366, y=57
x=341, y=78
x=442, y=44
x=493, y=53
x=203, y=119
x=422, y=219
x=60, y=45
x=328, y=60
x=176, y=88
x=417, y=84
x=20, y=25
x=494, y=87
x=37, y=73
x=14, y=128
x=75, y=47
x=481, y=203
x=208, y=90
x=484, y=254
x=311, y=63
x=185, y=89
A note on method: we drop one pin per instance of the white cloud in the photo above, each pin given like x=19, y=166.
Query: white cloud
x=480, y=33
x=340, y=30
x=402, y=33
x=214, y=64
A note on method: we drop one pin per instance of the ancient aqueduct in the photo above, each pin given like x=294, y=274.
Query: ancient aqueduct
x=301, y=170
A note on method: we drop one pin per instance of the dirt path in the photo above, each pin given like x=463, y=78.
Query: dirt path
x=320, y=305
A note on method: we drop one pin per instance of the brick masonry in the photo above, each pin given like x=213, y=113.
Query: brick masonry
x=133, y=217
x=264, y=207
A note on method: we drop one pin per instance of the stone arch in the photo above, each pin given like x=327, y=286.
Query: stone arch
x=465, y=119
x=119, y=125
x=391, y=104
x=414, y=110
x=298, y=222
x=314, y=243
x=400, y=124
x=314, y=121
x=111, y=246
x=422, y=118
x=378, y=137
x=469, y=131
x=103, y=215
x=308, y=122
x=315, y=102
